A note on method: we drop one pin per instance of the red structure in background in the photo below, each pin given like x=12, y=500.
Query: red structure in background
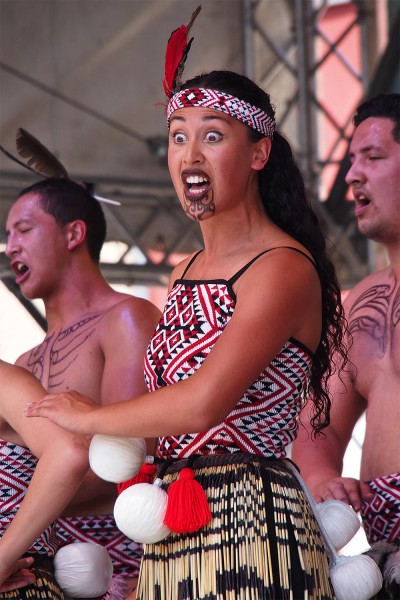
x=339, y=88
x=341, y=79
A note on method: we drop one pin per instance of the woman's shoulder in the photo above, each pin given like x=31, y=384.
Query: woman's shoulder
x=179, y=270
x=285, y=257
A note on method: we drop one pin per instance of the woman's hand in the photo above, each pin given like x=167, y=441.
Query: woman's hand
x=67, y=409
x=18, y=576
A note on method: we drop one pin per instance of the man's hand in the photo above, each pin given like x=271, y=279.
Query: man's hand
x=66, y=409
x=348, y=490
x=18, y=577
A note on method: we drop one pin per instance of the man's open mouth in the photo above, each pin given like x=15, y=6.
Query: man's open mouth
x=21, y=270
x=363, y=200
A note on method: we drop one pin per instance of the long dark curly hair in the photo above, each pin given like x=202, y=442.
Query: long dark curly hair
x=285, y=202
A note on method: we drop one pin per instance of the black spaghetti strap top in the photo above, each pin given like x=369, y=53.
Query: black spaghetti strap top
x=191, y=261
x=266, y=418
x=239, y=273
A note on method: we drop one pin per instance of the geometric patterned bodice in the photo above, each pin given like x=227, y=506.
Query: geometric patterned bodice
x=265, y=420
x=17, y=465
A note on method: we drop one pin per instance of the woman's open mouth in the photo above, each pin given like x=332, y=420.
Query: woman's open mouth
x=196, y=186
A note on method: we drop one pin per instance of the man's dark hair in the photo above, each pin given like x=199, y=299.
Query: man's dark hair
x=69, y=201
x=386, y=106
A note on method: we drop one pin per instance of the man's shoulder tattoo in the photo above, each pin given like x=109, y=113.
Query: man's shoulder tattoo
x=59, y=351
x=376, y=312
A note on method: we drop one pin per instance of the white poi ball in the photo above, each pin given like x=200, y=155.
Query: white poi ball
x=115, y=458
x=339, y=520
x=139, y=512
x=83, y=570
x=355, y=578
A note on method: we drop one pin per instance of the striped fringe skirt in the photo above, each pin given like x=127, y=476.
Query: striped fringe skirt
x=45, y=586
x=263, y=542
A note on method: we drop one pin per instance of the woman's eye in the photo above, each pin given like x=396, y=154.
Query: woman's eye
x=213, y=136
x=179, y=137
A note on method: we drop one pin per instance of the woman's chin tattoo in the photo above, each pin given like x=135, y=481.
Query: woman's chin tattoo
x=200, y=210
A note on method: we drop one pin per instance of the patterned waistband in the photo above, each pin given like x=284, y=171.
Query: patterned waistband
x=45, y=586
x=42, y=562
x=198, y=461
x=381, y=515
x=392, y=479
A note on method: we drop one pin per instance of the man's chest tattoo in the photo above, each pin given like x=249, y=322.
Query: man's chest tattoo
x=50, y=361
x=377, y=313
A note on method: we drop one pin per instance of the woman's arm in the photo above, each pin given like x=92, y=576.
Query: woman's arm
x=62, y=464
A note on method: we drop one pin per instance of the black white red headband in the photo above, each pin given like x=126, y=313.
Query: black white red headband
x=175, y=57
x=247, y=113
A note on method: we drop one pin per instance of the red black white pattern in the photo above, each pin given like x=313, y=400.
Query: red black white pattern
x=17, y=465
x=247, y=113
x=264, y=422
x=381, y=516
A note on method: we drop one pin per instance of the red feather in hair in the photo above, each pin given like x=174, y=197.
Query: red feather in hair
x=177, y=50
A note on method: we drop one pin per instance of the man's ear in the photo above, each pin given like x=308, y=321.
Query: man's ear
x=263, y=149
x=76, y=234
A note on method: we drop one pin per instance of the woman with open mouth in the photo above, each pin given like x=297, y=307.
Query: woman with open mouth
x=249, y=328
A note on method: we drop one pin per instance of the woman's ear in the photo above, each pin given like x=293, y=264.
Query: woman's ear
x=262, y=151
x=76, y=234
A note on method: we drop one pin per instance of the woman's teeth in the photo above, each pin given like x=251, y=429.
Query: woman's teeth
x=195, y=179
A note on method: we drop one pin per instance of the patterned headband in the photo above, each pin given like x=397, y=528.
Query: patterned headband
x=247, y=113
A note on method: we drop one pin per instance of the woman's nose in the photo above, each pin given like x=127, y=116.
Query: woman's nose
x=193, y=153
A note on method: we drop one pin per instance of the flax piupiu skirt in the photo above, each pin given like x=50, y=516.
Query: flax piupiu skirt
x=263, y=542
x=45, y=586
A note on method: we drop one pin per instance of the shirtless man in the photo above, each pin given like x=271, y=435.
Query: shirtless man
x=372, y=379
x=96, y=337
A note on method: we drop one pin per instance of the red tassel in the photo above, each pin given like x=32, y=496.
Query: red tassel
x=175, y=56
x=187, y=508
x=145, y=475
